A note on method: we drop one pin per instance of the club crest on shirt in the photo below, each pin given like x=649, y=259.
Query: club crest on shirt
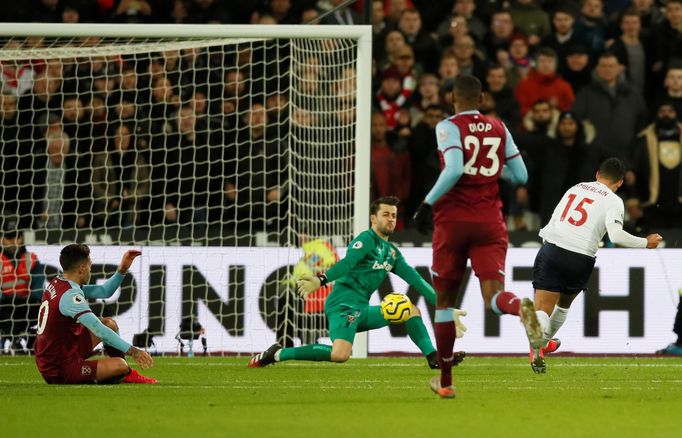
x=393, y=254
x=442, y=135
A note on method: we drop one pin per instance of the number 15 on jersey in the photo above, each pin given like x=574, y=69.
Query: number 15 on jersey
x=578, y=215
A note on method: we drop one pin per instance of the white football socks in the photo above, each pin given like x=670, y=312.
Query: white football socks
x=556, y=321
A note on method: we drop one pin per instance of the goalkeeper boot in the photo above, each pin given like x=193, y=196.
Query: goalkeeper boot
x=537, y=360
x=447, y=392
x=552, y=346
x=458, y=357
x=265, y=358
x=530, y=322
x=135, y=377
x=432, y=360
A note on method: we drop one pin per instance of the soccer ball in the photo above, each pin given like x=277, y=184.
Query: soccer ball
x=396, y=308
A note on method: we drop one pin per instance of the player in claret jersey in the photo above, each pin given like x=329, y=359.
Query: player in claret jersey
x=68, y=330
x=370, y=257
x=475, y=151
x=564, y=264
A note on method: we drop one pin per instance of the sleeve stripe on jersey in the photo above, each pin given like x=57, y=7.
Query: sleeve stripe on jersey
x=513, y=156
x=78, y=315
x=452, y=147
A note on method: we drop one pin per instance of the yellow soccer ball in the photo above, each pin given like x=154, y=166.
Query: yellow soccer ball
x=396, y=308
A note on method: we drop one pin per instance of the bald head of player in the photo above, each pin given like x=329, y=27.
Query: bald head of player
x=76, y=263
x=383, y=214
x=612, y=173
x=467, y=93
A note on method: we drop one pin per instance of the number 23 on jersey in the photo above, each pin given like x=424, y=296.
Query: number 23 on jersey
x=472, y=143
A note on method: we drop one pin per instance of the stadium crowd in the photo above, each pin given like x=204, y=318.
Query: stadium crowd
x=91, y=143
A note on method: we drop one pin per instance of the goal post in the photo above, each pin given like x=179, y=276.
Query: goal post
x=299, y=120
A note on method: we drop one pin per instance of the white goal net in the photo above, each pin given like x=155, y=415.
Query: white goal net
x=231, y=155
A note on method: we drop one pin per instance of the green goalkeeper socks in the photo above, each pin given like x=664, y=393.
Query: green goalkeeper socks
x=316, y=352
x=417, y=331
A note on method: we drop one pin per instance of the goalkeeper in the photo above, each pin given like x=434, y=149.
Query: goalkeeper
x=369, y=258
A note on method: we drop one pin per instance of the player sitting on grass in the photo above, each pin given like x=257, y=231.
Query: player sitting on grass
x=565, y=262
x=370, y=257
x=68, y=331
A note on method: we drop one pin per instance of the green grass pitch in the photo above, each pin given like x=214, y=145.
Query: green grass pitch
x=378, y=397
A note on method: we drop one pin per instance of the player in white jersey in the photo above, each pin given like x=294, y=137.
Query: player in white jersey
x=565, y=262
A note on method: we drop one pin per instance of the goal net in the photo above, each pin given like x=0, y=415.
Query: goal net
x=234, y=157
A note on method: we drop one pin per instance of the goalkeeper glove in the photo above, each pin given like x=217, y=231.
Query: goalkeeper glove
x=308, y=284
x=423, y=218
x=460, y=328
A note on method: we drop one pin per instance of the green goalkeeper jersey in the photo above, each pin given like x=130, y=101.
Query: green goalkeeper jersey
x=368, y=260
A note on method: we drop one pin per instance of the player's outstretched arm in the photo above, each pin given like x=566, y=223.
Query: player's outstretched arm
x=127, y=260
x=403, y=270
x=107, y=289
x=356, y=251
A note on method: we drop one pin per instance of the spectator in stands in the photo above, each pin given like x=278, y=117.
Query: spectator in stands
x=633, y=53
x=254, y=187
x=563, y=37
x=390, y=98
x=427, y=96
x=530, y=19
x=56, y=186
x=650, y=16
x=590, y=27
x=543, y=82
x=577, y=72
x=660, y=146
x=673, y=89
x=608, y=98
x=457, y=30
x=410, y=72
x=668, y=37
x=391, y=170
x=517, y=61
x=16, y=76
x=11, y=168
x=506, y=106
x=567, y=160
x=395, y=10
x=378, y=19
x=394, y=41
x=426, y=49
x=468, y=62
x=70, y=15
x=21, y=287
x=448, y=68
x=133, y=11
x=121, y=179
x=500, y=35
x=235, y=88
x=343, y=15
x=424, y=157
x=466, y=10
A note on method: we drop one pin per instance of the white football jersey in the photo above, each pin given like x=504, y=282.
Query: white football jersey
x=581, y=218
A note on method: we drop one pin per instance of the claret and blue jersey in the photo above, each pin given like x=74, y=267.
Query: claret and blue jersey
x=474, y=151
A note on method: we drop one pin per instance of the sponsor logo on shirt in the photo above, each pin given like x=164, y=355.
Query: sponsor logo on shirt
x=385, y=265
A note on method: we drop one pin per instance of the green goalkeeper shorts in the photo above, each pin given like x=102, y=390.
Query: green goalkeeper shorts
x=346, y=320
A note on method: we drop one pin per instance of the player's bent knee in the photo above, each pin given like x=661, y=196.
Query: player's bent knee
x=340, y=356
x=109, y=322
